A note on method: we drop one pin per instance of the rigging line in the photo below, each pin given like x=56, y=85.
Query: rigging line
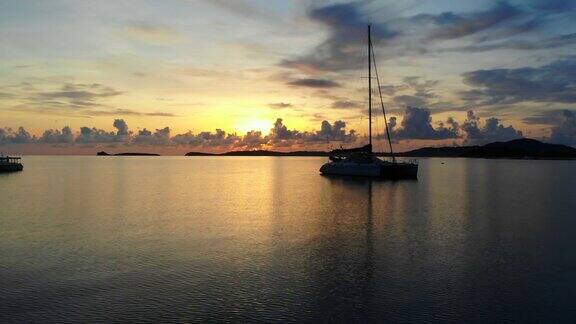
x=379, y=143
x=382, y=103
x=369, y=90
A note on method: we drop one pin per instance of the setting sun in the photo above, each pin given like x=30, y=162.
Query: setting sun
x=253, y=124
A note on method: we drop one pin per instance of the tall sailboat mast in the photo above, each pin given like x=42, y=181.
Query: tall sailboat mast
x=369, y=89
x=382, y=102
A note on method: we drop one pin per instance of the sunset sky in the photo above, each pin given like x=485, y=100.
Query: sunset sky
x=173, y=76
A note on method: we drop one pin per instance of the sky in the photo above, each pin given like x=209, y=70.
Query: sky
x=174, y=76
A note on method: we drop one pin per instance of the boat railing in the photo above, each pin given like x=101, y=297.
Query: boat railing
x=10, y=159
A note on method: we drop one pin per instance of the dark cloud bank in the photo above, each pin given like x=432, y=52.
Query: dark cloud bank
x=551, y=83
x=84, y=99
x=415, y=125
x=504, y=25
x=279, y=136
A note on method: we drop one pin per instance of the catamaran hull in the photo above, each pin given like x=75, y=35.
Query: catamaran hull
x=382, y=171
x=11, y=167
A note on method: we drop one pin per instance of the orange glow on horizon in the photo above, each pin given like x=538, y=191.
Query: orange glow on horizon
x=253, y=124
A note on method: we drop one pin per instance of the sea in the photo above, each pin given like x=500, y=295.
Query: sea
x=87, y=239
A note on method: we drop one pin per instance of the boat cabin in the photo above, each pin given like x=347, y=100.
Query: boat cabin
x=10, y=159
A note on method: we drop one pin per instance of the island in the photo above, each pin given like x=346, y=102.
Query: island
x=261, y=153
x=524, y=148
x=102, y=153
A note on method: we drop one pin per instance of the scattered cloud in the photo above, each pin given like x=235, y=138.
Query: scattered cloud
x=245, y=10
x=518, y=44
x=160, y=136
x=78, y=94
x=409, y=100
x=451, y=25
x=126, y=112
x=485, y=29
x=413, y=91
x=280, y=136
x=346, y=24
x=93, y=135
x=564, y=131
x=547, y=117
x=554, y=82
x=314, y=83
x=417, y=124
x=346, y=104
x=280, y=105
x=492, y=131
x=54, y=136
x=151, y=33
x=18, y=136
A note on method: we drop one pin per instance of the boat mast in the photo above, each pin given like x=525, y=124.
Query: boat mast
x=369, y=89
x=382, y=103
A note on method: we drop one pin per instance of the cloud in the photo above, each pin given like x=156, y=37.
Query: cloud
x=390, y=90
x=552, y=5
x=78, y=99
x=409, y=101
x=451, y=26
x=497, y=27
x=280, y=132
x=151, y=33
x=314, y=83
x=54, y=136
x=94, y=135
x=78, y=94
x=160, y=136
x=126, y=112
x=564, y=132
x=515, y=44
x=280, y=105
x=413, y=92
x=492, y=131
x=346, y=104
x=554, y=82
x=548, y=117
x=5, y=95
x=10, y=136
x=69, y=99
x=346, y=24
x=280, y=136
x=334, y=132
x=251, y=140
x=206, y=139
x=245, y=10
x=417, y=124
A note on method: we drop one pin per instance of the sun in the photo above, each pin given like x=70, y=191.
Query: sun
x=254, y=124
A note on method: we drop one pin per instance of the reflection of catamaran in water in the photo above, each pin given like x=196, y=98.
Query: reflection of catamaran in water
x=362, y=161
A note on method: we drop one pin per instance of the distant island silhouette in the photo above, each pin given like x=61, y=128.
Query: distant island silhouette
x=261, y=153
x=524, y=148
x=102, y=153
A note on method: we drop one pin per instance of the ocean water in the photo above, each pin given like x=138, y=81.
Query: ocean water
x=267, y=239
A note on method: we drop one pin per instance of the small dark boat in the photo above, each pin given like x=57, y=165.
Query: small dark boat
x=361, y=161
x=10, y=164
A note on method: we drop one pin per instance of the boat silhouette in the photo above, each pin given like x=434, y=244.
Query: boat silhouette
x=10, y=164
x=362, y=161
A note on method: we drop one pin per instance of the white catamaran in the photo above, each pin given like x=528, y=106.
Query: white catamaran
x=362, y=161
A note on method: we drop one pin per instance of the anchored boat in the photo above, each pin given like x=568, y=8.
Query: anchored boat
x=362, y=161
x=10, y=164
